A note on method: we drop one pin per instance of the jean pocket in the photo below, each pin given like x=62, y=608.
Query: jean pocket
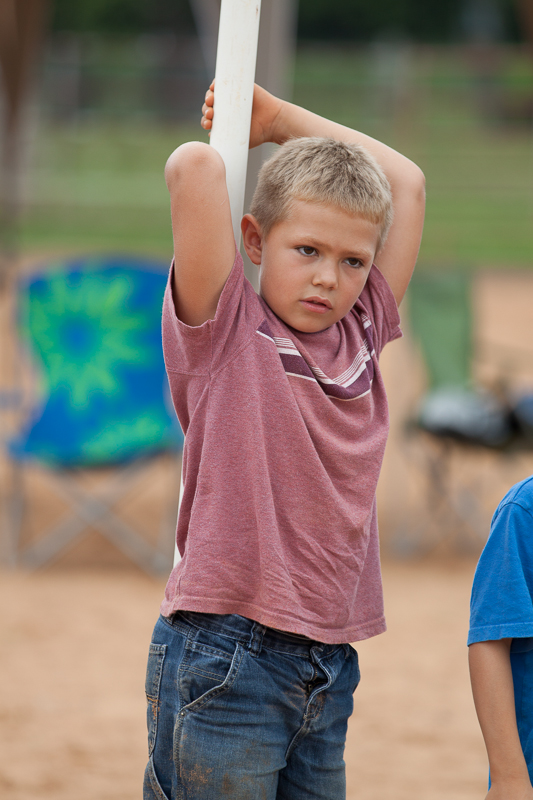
x=151, y=787
x=154, y=671
x=207, y=672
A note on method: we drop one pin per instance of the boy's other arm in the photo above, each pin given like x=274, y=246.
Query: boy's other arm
x=492, y=687
x=275, y=120
x=204, y=247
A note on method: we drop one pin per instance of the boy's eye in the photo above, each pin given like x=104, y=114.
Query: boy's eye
x=306, y=251
x=354, y=262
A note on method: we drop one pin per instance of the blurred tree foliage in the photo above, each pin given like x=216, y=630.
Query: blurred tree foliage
x=122, y=16
x=360, y=19
x=423, y=20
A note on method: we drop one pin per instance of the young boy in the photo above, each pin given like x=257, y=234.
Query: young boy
x=501, y=645
x=250, y=675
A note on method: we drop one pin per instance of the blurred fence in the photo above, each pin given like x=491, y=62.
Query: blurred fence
x=154, y=76
x=399, y=82
x=163, y=76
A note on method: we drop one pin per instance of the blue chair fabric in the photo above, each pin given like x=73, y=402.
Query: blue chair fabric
x=92, y=326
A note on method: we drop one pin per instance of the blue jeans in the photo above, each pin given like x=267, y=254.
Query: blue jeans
x=237, y=710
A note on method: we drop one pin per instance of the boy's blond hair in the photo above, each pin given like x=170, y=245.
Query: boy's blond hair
x=322, y=170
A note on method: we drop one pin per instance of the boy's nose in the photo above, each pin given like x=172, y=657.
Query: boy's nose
x=325, y=275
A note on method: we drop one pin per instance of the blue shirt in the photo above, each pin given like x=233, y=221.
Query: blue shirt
x=501, y=606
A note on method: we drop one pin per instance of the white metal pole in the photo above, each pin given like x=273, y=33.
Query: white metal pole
x=238, y=33
x=234, y=87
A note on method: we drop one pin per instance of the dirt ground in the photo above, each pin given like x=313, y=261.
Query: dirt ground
x=72, y=715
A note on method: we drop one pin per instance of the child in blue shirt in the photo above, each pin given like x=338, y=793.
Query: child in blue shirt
x=501, y=645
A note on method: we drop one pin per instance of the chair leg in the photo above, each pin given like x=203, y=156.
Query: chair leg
x=52, y=543
x=98, y=512
x=87, y=509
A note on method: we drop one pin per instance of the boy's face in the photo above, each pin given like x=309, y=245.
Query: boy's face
x=313, y=265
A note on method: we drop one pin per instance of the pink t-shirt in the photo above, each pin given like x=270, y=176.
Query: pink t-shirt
x=285, y=435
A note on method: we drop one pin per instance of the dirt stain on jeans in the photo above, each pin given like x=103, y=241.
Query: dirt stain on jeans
x=247, y=787
x=198, y=775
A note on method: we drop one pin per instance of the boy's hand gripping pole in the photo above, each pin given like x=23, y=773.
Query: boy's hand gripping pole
x=238, y=32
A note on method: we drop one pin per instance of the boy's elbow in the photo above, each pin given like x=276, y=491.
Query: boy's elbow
x=192, y=160
x=414, y=188
x=421, y=180
x=416, y=181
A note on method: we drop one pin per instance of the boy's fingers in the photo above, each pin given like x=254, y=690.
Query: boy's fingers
x=207, y=108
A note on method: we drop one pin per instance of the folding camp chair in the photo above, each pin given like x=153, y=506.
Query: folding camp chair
x=91, y=327
x=460, y=438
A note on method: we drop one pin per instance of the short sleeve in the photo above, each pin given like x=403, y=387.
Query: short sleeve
x=501, y=604
x=202, y=349
x=378, y=301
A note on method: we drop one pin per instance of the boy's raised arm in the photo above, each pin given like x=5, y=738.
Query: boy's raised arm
x=204, y=248
x=492, y=687
x=275, y=120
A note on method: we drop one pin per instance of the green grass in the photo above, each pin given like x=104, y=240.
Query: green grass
x=479, y=199
x=100, y=185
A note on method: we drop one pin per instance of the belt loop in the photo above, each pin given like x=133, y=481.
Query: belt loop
x=256, y=639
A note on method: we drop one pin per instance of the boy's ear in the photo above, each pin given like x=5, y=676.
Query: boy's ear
x=252, y=238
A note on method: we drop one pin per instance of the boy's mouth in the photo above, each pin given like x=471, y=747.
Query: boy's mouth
x=317, y=304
